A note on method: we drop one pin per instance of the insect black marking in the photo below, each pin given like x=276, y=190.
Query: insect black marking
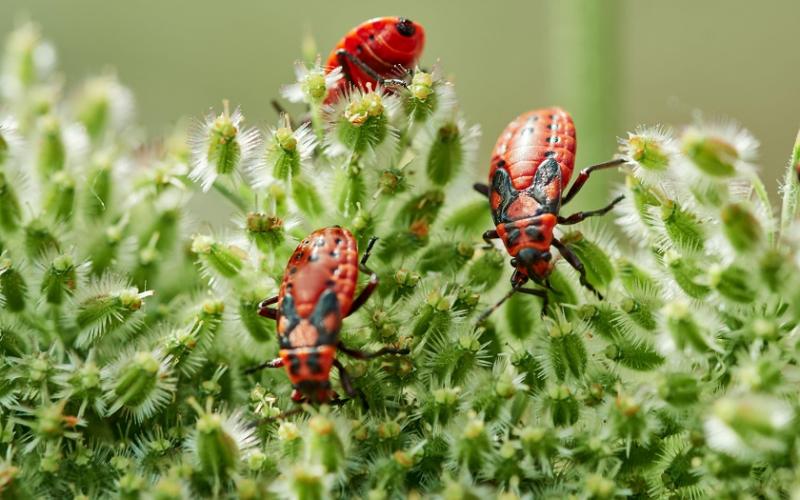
x=553, y=139
x=513, y=236
x=328, y=303
x=294, y=365
x=553, y=126
x=501, y=183
x=533, y=232
x=312, y=361
x=549, y=154
x=319, y=242
x=501, y=163
x=548, y=172
x=288, y=311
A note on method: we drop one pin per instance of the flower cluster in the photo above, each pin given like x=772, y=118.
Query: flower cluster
x=127, y=328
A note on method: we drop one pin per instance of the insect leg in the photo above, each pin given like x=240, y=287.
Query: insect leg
x=481, y=188
x=576, y=263
x=343, y=55
x=355, y=353
x=584, y=176
x=268, y=312
x=488, y=236
x=373, y=282
x=278, y=107
x=579, y=216
x=538, y=293
x=275, y=363
x=347, y=385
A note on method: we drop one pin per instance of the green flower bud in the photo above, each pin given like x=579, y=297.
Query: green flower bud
x=684, y=329
x=392, y=181
x=711, y=155
x=753, y=417
x=424, y=207
x=131, y=485
x=599, y=487
x=405, y=281
x=628, y=417
x=100, y=314
x=682, y=227
x=13, y=286
x=325, y=443
x=487, y=269
x=434, y=316
x=260, y=328
x=531, y=368
x=679, y=389
x=266, y=231
x=761, y=375
x=644, y=199
x=446, y=257
x=599, y=269
x=741, y=227
x=51, y=151
x=634, y=353
x=641, y=313
x=636, y=281
x=52, y=422
x=10, y=210
x=446, y=154
x=473, y=444
x=39, y=239
x=60, y=279
x=686, y=274
x=421, y=85
x=93, y=108
x=733, y=283
x=99, y=186
x=648, y=152
x=466, y=300
x=227, y=260
x=389, y=430
x=313, y=86
x=364, y=125
x=564, y=408
x=223, y=150
x=283, y=155
x=308, y=483
x=567, y=352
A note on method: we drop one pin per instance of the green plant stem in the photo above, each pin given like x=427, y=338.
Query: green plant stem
x=230, y=196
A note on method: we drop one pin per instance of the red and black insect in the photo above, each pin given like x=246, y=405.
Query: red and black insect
x=374, y=51
x=317, y=293
x=531, y=166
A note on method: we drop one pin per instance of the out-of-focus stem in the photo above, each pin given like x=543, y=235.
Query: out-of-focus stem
x=585, y=74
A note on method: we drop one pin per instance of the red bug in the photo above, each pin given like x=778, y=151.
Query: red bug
x=372, y=52
x=317, y=293
x=531, y=166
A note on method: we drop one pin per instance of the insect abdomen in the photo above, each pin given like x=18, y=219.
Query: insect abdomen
x=531, y=139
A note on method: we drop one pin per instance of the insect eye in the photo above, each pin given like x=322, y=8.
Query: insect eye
x=514, y=262
x=405, y=27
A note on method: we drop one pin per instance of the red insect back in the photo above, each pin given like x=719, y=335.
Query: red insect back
x=318, y=287
x=532, y=162
x=382, y=44
x=532, y=138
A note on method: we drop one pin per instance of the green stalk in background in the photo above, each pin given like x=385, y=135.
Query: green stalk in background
x=585, y=78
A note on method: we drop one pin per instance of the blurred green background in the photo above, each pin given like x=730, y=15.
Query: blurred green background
x=613, y=64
